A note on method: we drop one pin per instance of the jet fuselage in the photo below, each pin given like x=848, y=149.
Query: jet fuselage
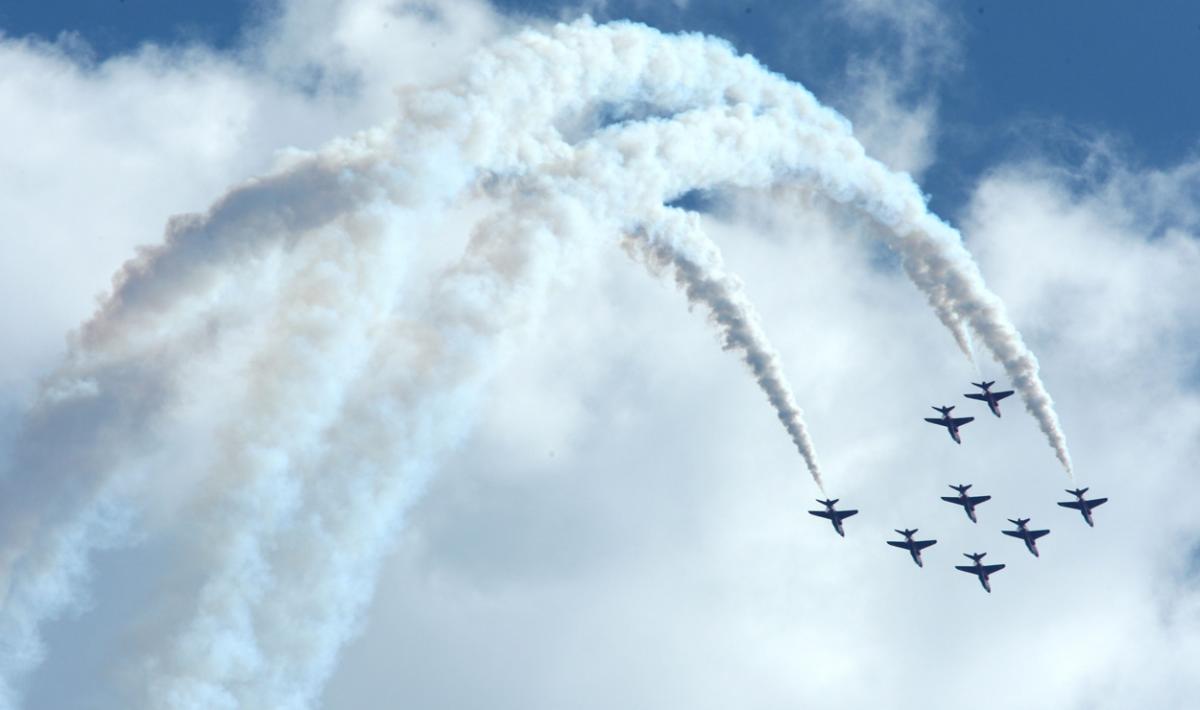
x=952, y=424
x=980, y=570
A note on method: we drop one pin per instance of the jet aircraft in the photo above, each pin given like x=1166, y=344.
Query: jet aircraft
x=980, y=570
x=914, y=547
x=951, y=423
x=834, y=516
x=992, y=398
x=1083, y=505
x=1029, y=536
x=967, y=502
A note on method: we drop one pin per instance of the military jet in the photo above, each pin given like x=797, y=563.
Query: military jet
x=951, y=423
x=967, y=502
x=914, y=547
x=1029, y=536
x=1082, y=505
x=834, y=516
x=992, y=398
x=980, y=570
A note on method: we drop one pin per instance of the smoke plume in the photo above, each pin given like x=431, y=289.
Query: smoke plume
x=277, y=357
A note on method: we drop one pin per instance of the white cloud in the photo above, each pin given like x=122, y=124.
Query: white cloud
x=660, y=555
x=890, y=85
x=626, y=526
x=900, y=133
x=98, y=156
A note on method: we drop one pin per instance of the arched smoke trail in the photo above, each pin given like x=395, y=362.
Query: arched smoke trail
x=405, y=392
x=756, y=147
x=412, y=401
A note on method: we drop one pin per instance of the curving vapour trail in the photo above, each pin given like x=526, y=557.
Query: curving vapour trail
x=409, y=403
x=301, y=495
x=675, y=239
x=757, y=147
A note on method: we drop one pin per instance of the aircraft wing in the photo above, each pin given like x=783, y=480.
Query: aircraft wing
x=843, y=514
x=1072, y=504
x=952, y=499
x=1035, y=534
x=976, y=500
x=939, y=422
x=902, y=545
x=922, y=544
x=988, y=569
x=1001, y=395
x=1012, y=533
x=959, y=421
x=966, y=568
x=821, y=514
x=979, y=397
x=1096, y=501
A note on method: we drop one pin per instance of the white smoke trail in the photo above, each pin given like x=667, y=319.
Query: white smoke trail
x=673, y=238
x=756, y=147
x=413, y=401
x=300, y=662
x=505, y=122
x=116, y=398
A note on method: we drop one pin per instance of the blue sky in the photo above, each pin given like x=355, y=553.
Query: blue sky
x=113, y=26
x=1043, y=78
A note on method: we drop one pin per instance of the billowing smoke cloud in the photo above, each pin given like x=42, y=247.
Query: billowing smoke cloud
x=281, y=331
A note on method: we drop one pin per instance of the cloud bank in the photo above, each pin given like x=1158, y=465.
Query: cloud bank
x=355, y=371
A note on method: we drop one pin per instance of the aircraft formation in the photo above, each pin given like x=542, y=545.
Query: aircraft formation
x=967, y=501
